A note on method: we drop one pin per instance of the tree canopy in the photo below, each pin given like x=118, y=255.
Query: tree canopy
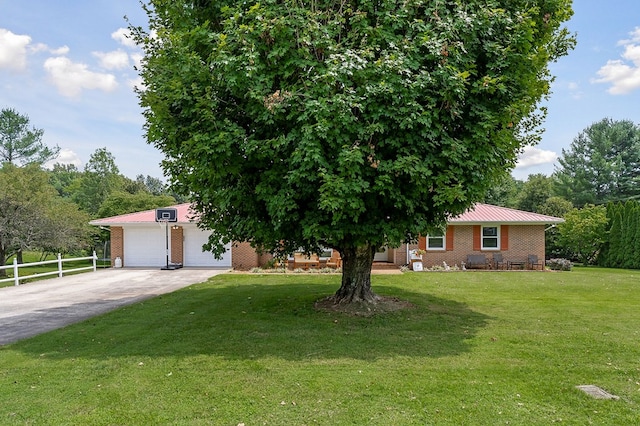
x=584, y=232
x=343, y=124
x=33, y=216
x=535, y=192
x=602, y=164
x=20, y=144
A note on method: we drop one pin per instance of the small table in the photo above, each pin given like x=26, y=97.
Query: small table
x=518, y=264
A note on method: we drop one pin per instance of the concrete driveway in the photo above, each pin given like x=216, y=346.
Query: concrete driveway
x=34, y=308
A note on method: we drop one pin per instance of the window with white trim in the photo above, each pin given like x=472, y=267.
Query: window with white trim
x=436, y=242
x=490, y=238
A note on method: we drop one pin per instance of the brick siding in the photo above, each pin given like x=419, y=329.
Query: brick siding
x=521, y=241
x=117, y=244
x=177, y=244
x=244, y=257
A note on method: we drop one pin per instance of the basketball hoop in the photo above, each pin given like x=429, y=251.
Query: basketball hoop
x=163, y=217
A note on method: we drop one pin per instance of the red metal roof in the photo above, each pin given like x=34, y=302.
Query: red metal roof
x=479, y=213
x=184, y=214
x=483, y=213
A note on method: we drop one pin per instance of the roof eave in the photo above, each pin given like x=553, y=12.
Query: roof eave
x=506, y=222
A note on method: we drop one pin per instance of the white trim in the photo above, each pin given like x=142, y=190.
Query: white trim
x=444, y=242
x=497, y=237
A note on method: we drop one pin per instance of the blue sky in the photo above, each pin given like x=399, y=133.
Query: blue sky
x=67, y=66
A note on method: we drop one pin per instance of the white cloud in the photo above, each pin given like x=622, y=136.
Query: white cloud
x=136, y=83
x=13, y=50
x=623, y=74
x=123, y=36
x=66, y=156
x=137, y=59
x=115, y=60
x=71, y=78
x=635, y=37
x=60, y=51
x=532, y=156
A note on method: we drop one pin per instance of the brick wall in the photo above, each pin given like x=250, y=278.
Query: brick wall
x=117, y=244
x=244, y=257
x=177, y=244
x=521, y=241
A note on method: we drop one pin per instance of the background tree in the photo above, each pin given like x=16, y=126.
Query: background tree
x=602, y=164
x=343, y=124
x=123, y=202
x=33, y=216
x=535, y=192
x=584, y=233
x=65, y=229
x=65, y=178
x=557, y=207
x=504, y=192
x=101, y=177
x=152, y=185
x=20, y=144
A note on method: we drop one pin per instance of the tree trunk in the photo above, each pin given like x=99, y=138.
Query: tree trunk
x=3, y=272
x=356, y=276
x=19, y=257
x=3, y=260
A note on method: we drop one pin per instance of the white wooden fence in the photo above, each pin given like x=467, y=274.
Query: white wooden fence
x=16, y=267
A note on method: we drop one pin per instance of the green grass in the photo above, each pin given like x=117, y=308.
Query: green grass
x=477, y=349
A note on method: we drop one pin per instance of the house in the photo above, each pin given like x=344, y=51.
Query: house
x=139, y=241
x=482, y=230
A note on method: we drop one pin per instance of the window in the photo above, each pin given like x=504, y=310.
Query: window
x=435, y=242
x=325, y=253
x=490, y=238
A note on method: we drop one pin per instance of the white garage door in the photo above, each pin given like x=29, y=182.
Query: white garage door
x=194, y=238
x=145, y=246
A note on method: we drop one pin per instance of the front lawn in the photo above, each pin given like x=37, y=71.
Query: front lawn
x=476, y=349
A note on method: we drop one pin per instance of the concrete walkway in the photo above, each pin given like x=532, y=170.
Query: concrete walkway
x=34, y=308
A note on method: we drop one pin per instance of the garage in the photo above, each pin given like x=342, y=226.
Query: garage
x=194, y=238
x=140, y=241
x=144, y=245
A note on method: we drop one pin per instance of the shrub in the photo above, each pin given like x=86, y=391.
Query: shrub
x=559, y=264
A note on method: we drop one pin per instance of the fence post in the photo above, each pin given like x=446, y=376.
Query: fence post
x=16, y=279
x=59, y=266
x=95, y=258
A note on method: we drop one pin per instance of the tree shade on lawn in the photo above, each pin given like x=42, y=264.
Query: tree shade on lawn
x=351, y=125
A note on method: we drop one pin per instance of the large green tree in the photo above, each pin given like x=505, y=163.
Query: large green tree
x=343, y=123
x=602, y=164
x=20, y=144
x=33, y=215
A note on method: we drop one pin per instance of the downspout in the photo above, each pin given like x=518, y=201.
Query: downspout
x=407, y=258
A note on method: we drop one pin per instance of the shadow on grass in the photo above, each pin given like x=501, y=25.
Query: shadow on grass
x=272, y=318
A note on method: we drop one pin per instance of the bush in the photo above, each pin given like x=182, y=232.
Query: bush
x=559, y=264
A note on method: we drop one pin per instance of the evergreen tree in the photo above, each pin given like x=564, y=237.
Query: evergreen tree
x=628, y=236
x=20, y=144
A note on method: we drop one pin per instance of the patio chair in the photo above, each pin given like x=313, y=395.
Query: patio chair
x=477, y=261
x=335, y=261
x=533, y=262
x=301, y=260
x=498, y=261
